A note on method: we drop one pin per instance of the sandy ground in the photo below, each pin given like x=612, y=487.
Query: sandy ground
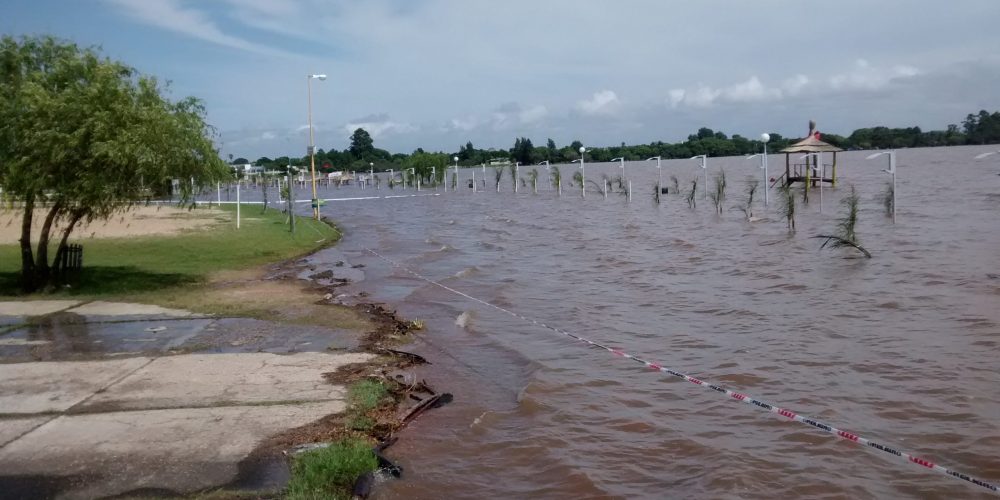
x=141, y=221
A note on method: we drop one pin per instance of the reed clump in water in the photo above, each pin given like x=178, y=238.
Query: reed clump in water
x=533, y=176
x=676, y=184
x=846, y=235
x=498, y=172
x=718, y=194
x=787, y=207
x=556, y=177
x=656, y=193
x=747, y=208
x=691, y=194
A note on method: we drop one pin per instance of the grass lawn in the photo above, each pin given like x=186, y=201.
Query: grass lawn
x=126, y=266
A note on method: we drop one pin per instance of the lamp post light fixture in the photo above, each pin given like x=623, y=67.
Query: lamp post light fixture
x=312, y=146
x=456, y=176
x=704, y=166
x=583, y=175
x=659, y=172
x=892, y=171
x=622, y=166
x=517, y=172
x=371, y=173
x=984, y=155
x=547, y=170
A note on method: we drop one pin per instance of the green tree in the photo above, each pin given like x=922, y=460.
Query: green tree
x=523, y=151
x=362, y=144
x=84, y=138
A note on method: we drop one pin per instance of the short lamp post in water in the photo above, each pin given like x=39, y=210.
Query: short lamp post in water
x=765, y=138
x=659, y=172
x=891, y=171
x=704, y=166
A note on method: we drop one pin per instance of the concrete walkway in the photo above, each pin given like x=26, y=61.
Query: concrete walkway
x=182, y=423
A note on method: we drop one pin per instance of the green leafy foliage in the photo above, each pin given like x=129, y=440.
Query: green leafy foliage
x=86, y=137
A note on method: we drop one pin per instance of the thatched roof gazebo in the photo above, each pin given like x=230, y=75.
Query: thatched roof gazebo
x=813, y=148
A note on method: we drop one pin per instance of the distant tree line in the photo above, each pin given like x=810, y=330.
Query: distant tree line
x=980, y=128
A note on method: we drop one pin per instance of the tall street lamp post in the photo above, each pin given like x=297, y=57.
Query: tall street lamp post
x=312, y=145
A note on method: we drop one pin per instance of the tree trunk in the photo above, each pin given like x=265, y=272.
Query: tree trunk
x=61, y=250
x=28, y=284
x=263, y=189
x=42, y=254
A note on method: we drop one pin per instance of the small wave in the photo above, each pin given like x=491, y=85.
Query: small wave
x=463, y=319
x=465, y=273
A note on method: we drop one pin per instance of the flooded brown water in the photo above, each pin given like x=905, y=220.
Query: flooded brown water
x=901, y=348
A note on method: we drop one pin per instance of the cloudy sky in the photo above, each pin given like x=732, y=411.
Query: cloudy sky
x=438, y=73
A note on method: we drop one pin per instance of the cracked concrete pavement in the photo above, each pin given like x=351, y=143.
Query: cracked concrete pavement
x=168, y=424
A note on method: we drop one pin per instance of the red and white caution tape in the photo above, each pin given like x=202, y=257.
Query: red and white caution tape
x=732, y=394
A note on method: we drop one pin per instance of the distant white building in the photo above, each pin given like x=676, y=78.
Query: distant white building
x=247, y=169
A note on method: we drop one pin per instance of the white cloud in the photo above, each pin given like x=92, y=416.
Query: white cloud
x=676, y=97
x=467, y=123
x=864, y=76
x=795, y=84
x=267, y=136
x=170, y=15
x=505, y=116
x=378, y=125
x=601, y=103
x=533, y=114
x=751, y=90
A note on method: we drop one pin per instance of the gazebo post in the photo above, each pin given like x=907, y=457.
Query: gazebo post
x=808, y=173
x=788, y=172
x=833, y=177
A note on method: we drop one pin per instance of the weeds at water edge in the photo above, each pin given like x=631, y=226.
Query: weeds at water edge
x=330, y=472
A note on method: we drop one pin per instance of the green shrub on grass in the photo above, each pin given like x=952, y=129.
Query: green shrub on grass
x=367, y=395
x=330, y=472
x=360, y=423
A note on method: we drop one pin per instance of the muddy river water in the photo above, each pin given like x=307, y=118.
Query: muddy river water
x=901, y=348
